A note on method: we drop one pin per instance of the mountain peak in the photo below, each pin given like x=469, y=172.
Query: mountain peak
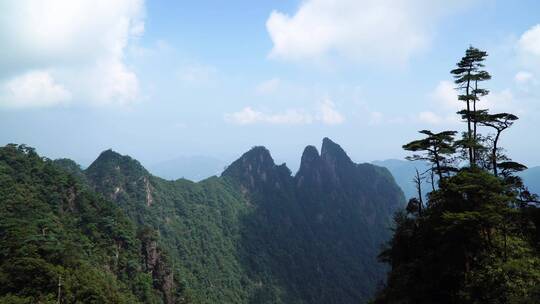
x=256, y=166
x=113, y=174
x=109, y=153
x=310, y=157
x=110, y=161
x=330, y=151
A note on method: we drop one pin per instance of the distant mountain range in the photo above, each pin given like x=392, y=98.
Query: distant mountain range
x=195, y=168
x=404, y=171
x=531, y=177
x=255, y=234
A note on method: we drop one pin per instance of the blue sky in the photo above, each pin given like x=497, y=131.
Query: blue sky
x=161, y=79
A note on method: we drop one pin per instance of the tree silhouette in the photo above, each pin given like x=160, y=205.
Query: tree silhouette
x=467, y=76
x=437, y=148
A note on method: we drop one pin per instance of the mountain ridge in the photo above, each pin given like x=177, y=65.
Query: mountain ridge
x=275, y=237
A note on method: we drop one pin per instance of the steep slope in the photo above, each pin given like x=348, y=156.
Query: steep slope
x=198, y=223
x=52, y=228
x=276, y=242
x=404, y=172
x=257, y=234
x=348, y=207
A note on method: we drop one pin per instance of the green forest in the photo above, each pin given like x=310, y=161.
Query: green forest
x=114, y=233
x=476, y=238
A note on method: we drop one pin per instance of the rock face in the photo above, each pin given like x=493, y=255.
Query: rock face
x=328, y=221
x=259, y=234
x=126, y=182
x=123, y=180
x=156, y=264
x=256, y=170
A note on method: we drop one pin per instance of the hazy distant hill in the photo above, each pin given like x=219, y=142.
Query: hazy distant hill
x=531, y=177
x=404, y=171
x=194, y=168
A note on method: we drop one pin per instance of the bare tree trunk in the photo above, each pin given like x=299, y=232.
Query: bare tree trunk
x=59, y=289
x=418, y=181
x=469, y=129
x=494, y=153
x=475, y=122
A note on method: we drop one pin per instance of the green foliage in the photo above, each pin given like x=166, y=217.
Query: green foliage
x=472, y=245
x=53, y=229
x=258, y=234
x=113, y=233
x=437, y=147
x=477, y=240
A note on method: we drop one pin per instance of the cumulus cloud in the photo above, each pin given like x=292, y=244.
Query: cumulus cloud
x=446, y=95
x=362, y=30
x=523, y=77
x=80, y=44
x=326, y=113
x=501, y=101
x=445, y=103
x=528, y=51
x=250, y=116
x=33, y=89
x=529, y=42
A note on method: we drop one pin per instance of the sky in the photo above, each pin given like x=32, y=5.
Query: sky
x=162, y=79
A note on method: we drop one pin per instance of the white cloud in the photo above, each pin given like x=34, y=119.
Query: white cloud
x=268, y=86
x=523, y=77
x=325, y=113
x=500, y=101
x=362, y=30
x=33, y=89
x=446, y=95
x=445, y=103
x=528, y=53
x=328, y=113
x=529, y=42
x=81, y=43
x=430, y=117
x=249, y=116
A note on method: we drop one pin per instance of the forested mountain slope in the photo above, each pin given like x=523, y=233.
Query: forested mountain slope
x=257, y=234
x=53, y=229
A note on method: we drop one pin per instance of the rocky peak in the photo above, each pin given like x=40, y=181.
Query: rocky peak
x=256, y=167
x=112, y=174
x=111, y=161
x=333, y=153
x=311, y=167
x=310, y=156
x=325, y=168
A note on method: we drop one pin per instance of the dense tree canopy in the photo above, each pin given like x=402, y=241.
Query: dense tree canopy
x=476, y=240
x=54, y=231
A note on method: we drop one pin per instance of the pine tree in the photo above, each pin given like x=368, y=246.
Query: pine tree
x=477, y=240
x=468, y=75
x=437, y=148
